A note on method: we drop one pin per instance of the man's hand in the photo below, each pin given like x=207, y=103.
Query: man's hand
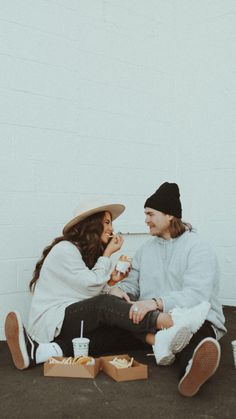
x=140, y=308
x=119, y=293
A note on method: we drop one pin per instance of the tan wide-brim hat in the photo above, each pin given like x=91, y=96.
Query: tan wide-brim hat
x=89, y=208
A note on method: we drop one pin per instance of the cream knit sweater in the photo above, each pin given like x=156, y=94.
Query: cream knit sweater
x=64, y=280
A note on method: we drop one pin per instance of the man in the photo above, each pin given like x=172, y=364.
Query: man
x=176, y=269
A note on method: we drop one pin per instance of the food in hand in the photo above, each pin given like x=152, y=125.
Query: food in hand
x=121, y=268
x=123, y=264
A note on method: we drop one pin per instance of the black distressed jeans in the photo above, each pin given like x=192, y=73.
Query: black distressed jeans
x=104, y=316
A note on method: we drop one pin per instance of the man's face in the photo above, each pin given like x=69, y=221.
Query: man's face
x=158, y=223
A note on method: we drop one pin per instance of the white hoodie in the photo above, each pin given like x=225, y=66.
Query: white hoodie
x=182, y=272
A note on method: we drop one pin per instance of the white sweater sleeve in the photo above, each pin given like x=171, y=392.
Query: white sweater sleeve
x=131, y=283
x=199, y=280
x=65, y=263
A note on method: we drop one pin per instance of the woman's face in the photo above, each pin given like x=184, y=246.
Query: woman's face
x=107, y=228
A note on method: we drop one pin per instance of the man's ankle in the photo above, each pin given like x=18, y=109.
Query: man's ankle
x=164, y=321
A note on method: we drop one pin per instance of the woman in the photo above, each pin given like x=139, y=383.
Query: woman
x=71, y=282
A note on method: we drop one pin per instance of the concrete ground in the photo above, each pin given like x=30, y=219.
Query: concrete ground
x=28, y=394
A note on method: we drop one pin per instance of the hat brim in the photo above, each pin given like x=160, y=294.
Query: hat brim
x=114, y=209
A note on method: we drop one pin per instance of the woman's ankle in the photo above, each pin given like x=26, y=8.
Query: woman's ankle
x=47, y=350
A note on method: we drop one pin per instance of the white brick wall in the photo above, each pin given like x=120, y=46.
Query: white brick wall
x=114, y=97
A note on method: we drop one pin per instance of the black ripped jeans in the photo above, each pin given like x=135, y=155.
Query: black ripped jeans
x=104, y=316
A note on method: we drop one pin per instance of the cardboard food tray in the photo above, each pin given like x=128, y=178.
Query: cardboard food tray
x=71, y=370
x=136, y=372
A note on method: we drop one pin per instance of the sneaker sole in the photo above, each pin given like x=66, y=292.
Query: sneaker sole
x=166, y=360
x=205, y=362
x=180, y=340
x=16, y=342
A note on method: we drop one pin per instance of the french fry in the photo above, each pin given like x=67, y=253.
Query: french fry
x=82, y=360
x=122, y=362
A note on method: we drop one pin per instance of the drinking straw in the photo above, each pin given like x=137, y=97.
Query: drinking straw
x=81, y=328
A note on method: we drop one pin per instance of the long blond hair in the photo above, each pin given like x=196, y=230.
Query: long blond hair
x=178, y=227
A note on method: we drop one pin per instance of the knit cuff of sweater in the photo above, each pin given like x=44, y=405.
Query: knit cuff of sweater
x=104, y=262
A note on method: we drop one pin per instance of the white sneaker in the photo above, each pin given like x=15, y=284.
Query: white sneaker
x=201, y=367
x=170, y=341
x=193, y=317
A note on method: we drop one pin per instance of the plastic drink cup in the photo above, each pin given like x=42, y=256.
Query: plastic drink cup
x=233, y=343
x=81, y=346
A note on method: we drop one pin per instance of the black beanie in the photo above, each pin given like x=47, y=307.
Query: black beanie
x=166, y=199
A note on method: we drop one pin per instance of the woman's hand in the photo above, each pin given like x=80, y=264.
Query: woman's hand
x=119, y=293
x=140, y=308
x=117, y=276
x=114, y=245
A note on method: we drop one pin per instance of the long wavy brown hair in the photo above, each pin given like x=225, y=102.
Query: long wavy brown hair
x=86, y=236
x=178, y=227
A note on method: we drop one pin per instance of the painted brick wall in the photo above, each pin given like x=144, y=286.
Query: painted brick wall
x=112, y=98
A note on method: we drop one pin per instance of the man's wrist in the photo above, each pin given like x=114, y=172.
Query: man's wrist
x=159, y=305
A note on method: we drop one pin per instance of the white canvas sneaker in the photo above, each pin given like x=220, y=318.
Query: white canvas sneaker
x=192, y=317
x=201, y=367
x=170, y=341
